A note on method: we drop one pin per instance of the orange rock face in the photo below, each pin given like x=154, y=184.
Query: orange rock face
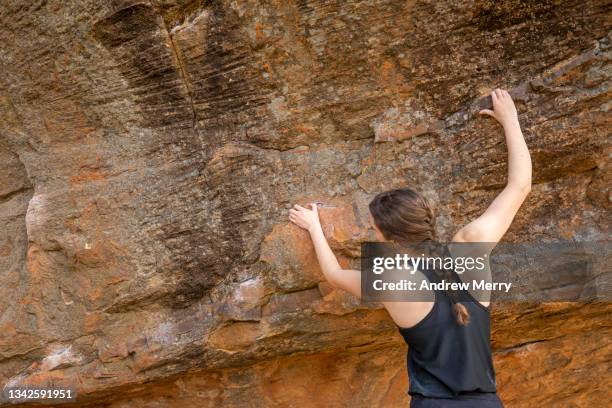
x=150, y=150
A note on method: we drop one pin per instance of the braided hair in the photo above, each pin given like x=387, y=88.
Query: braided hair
x=404, y=215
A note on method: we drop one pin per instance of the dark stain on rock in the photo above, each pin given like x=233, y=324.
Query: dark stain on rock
x=496, y=15
x=218, y=226
x=138, y=41
x=209, y=219
x=229, y=85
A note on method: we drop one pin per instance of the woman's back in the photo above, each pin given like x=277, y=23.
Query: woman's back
x=446, y=359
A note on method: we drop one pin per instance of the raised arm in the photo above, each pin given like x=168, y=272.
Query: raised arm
x=495, y=221
x=346, y=279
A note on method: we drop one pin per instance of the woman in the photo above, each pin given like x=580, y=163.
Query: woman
x=449, y=357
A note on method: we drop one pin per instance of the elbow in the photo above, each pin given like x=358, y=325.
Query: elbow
x=523, y=188
x=332, y=282
x=340, y=279
x=332, y=278
x=527, y=188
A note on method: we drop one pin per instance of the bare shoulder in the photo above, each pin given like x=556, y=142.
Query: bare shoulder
x=409, y=313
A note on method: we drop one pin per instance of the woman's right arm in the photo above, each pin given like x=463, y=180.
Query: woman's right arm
x=346, y=279
x=495, y=221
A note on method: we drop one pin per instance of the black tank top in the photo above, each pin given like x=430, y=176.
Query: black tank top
x=446, y=359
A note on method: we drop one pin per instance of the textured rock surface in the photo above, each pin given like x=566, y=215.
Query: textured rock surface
x=149, y=150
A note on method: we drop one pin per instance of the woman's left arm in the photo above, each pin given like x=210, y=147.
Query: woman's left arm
x=346, y=279
x=495, y=221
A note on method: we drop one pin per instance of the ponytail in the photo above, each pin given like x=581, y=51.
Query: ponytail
x=461, y=314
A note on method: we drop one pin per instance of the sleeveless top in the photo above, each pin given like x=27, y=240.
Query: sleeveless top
x=446, y=359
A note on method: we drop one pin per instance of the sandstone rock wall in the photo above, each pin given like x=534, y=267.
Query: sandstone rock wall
x=149, y=151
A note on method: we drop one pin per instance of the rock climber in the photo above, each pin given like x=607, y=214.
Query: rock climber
x=449, y=352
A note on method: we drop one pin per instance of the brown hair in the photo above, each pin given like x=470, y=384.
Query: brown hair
x=404, y=215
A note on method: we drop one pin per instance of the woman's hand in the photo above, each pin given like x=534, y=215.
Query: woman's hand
x=504, y=110
x=305, y=218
